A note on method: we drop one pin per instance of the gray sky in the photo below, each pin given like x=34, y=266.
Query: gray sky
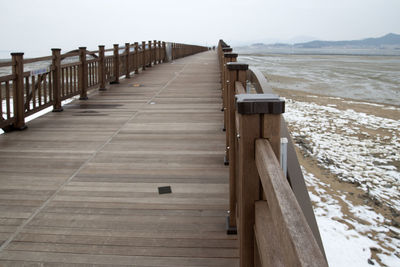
x=34, y=26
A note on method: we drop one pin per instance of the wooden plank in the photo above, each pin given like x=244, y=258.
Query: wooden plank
x=92, y=172
x=125, y=250
x=54, y=257
x=299, y=245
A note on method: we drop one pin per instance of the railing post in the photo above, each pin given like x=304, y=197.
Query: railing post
x=102, y=69
x=237, y=72
x=164, y=53
x=127, y=69
x=56, y=64
x=155, y=58
x=136, y=57
x=247, y=185
x=83, y=74
x=150, y=55
x=252, y=110
x=227, y=57
x=144, y=55
x=159, y=52
x=116, y=64
x=18, y=91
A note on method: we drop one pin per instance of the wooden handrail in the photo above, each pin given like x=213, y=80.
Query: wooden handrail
x=259, y=81
x=294, y=173
x=295, y=239
x=5, y=64
x=31, y=91
x=280, y=210
x=7, y=78
x=37, y=59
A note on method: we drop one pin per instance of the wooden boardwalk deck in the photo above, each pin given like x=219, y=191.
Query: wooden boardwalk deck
x=80, y=187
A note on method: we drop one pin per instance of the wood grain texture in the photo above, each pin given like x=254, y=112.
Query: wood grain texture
x=298, y=243
x=248, y=183
x=80, y=187
x=268, y=243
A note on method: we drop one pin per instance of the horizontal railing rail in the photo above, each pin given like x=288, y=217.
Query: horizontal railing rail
x=58, y=77
x=269, y=209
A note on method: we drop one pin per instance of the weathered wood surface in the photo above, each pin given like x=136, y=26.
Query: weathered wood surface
x=80, y=187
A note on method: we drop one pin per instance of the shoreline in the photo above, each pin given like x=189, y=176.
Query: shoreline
x=349, y=197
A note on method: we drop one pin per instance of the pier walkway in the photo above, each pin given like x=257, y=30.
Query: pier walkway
x=81, y=186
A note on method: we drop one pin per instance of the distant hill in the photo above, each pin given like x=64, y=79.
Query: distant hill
x=390, y=39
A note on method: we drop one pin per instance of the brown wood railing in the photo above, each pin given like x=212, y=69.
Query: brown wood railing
x=74, y=73
x=270, y=211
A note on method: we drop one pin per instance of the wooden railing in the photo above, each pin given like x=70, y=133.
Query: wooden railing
x=269, y=210
x=72, y=74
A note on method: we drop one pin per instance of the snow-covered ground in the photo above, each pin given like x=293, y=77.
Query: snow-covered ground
x=331, y=136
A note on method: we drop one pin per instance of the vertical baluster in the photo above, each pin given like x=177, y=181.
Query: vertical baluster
x=67, y=83
x=76, y=82
x=1, y=99
x=7, y=100
x=39, y=82
x=63, y=89
x=96, y=71
x=50, y=82
x=72, y=80
x=27, y=102
x=33, y=92
x=45, y=88
x=93, y=76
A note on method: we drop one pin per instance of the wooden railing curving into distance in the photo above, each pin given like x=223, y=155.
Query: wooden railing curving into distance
x=269, y=210
x=23, y=93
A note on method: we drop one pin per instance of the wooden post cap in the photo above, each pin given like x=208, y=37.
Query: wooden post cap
x=56, y=49
x=260, y=104
x=237, y=66
x=17, y=54
x=227, y=49
x=230, y=55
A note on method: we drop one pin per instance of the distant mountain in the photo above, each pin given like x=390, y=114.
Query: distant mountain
x=390, y=39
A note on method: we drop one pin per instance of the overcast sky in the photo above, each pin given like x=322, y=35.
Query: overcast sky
x=34, y=26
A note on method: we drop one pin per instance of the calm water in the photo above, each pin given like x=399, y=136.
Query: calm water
x=363, y=77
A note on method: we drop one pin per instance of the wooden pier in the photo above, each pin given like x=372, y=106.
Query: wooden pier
x=133, y=174
x=81, y=186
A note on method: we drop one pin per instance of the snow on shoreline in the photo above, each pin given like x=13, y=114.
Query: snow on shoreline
x=345, y=143
x=343, y=236
x=341, y=142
